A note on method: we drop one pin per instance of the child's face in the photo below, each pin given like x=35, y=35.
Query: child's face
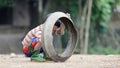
x=54, y=29
x=58, y=30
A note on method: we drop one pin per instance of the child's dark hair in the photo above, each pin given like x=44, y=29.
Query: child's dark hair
x=58, y=23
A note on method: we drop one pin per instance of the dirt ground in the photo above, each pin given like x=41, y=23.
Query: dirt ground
x=75, y=61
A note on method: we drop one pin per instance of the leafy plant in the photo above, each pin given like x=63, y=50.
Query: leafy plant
x=101, y=13
x=118, y=2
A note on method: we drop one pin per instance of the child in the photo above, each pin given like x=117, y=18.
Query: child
x=32, y=45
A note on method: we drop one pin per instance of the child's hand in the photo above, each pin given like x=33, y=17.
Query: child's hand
x=68, y=15
x=58, y=32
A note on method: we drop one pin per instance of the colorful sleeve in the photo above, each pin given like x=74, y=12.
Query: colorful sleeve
x=28, y=37
x=38, y=33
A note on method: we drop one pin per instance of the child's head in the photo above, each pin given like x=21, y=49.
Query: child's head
x=58, y=23
x=56, y=26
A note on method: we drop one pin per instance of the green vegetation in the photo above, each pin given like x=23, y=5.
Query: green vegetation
x=7, y=3
x=100, y=38
x=118, y=2
x=103, y=50
x=70, y=6
x=101, y=13
x=73, y=8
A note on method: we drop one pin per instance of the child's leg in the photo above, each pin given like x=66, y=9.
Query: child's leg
x=36, y=51
x=38, y=46
x=26, y=51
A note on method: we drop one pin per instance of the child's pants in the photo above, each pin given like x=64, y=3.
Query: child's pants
x=28, y=49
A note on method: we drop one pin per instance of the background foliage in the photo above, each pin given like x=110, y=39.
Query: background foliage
x=102, y=38
x=106, y=40
x=7, y=3
x=101, y=13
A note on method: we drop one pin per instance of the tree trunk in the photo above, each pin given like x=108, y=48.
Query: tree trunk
x=87, y=27
x=40, y=9
x=82, y=16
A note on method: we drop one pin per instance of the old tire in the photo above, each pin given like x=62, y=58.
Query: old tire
x=48, y=38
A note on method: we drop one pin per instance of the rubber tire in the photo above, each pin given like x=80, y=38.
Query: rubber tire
x=48, y=38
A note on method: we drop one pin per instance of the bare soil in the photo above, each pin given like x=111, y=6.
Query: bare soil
x=75, y=61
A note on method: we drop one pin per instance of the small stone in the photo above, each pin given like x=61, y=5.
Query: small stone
x=12, y=55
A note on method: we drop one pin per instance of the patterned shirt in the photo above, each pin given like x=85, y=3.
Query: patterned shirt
x=35, y=32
